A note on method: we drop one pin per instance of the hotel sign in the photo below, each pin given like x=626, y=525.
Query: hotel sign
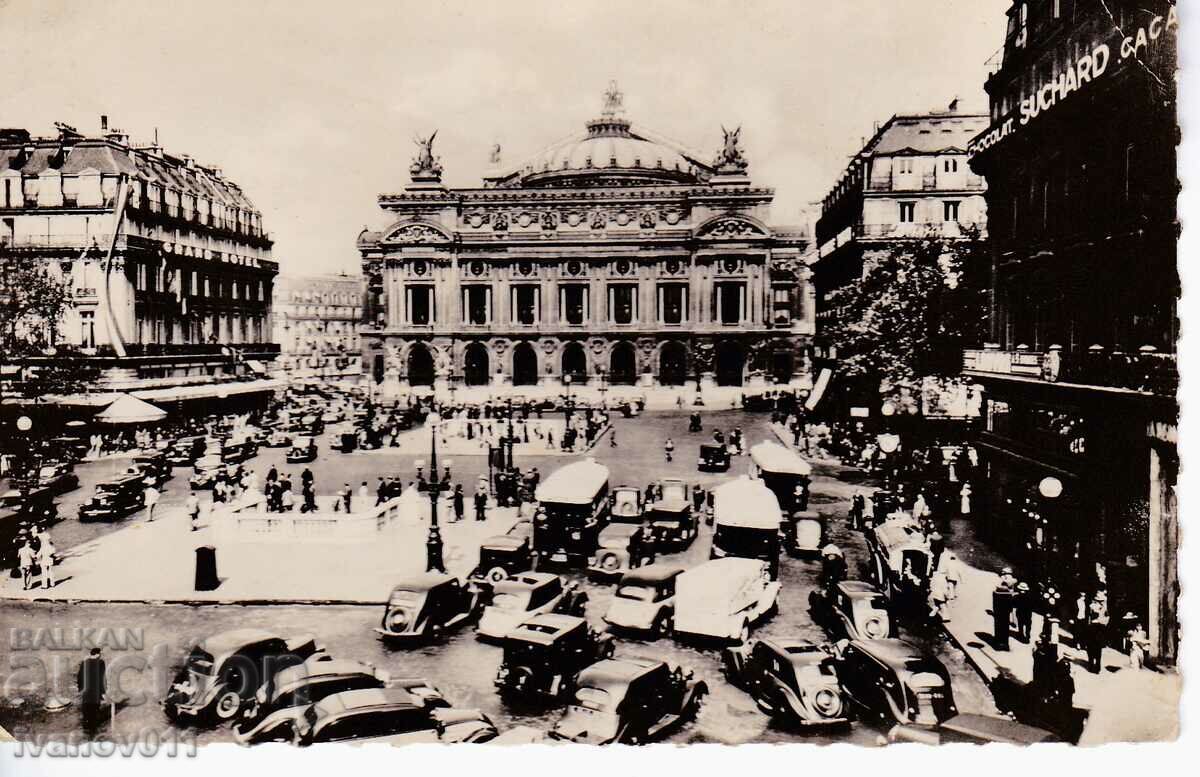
x=1100, y=59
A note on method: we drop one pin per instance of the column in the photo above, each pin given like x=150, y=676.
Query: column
x=658, y=314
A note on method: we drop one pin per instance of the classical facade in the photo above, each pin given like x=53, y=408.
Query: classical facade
x=316, y=319
x=1080, y=374
x=611, y=257
x=185, y=297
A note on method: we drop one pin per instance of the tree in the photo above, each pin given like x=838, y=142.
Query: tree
x=919, y=303
x=32, y=303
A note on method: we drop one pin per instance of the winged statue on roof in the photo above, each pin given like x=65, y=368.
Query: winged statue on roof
x=730, y=157
x=425, y=163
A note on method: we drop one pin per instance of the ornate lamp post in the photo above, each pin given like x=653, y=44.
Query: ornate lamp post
x=603, y=388
x=568, y=406
x=435, y=487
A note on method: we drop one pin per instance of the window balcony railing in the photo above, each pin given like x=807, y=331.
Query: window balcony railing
x=1146, y=370
x=910, y=229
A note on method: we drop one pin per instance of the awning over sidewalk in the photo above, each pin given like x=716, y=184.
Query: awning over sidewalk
x=819, y=388
x=130, y=410
x=209, y=390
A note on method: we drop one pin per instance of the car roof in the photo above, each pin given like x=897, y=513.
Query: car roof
x=770, y=456
x=858, y=589
x=712, y=447
x=366, y=698
x=997, y=729
x=746, y=503
x=226, y=641
x=422, y=582
x=544, y=629
x=616, y=672
x=621, y=529
x=652, y=573
x=525, y=581
x=576, y=483
x=317, y=669
x=124, y=478
x=503, y=542
x=891, y=650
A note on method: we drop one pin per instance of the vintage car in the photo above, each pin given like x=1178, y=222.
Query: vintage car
x=574, y=508
x=901, y=560
x=788, y=678
x=896, y=682
x=671, y=516
x=622, y=547
x=116, y=498
x=723, y=598
x=391, y=715
x=629, y=701
x=854, y=609
x=272, y=716
x=543, y=655
x=783, y=471
x=525, y=595
x=304, y=449
x=645, y=600
x=278, y=439
x=239, y=449
x=345, y=441
x=714, y=457
x=972, y=729
x=152, y=466
x=804, y=533
x=504, y=555
x=746, y=522
x=224, y=673
x=426, y=606
x=186, y=450
x=58, y=477
x=626, y=504
x=205, y=471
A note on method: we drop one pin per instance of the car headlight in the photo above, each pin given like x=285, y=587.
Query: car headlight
x=576, y=535
x=398, y=620
x=827, y=702
x=875, y=628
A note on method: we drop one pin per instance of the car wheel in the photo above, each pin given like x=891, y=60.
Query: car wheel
x=663, y=626
x=496, y=575
x=227, y=705
x=744, y=634
x=694, y=703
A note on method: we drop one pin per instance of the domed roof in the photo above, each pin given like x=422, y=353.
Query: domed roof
x=609, y=153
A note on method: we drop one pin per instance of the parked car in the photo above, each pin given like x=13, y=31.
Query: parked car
x=714, y=457
x=622, y=547
x=630, y=701
x=626, y=504
x=852, y=608
x=671, y=516
x=113, y=499
x=901, y=561
x=152, y=466
x=645, y=600
x=272, y=716
x=543, y=655
x=789, y=678
x=522, y=596
x=972, y=729
x=278, y=439
x=392, y=715
x=205, y=471
x=896, y=682
x=58, y=477
x=239, y=449
x=186, y=450
x=723, y=598
x=426, y=606
x=502, y=556
x=304, y=449
x=224, y=673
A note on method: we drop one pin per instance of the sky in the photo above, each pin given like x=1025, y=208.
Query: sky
x=312, y=107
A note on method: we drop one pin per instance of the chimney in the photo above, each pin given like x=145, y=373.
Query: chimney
x=104, y=122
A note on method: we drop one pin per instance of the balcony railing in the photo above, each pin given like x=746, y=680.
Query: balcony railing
x=1147, y=371
x=910, y=229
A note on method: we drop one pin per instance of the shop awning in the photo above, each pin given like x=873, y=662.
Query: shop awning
x=209, y=390
x=130, y=410
x=819, y=387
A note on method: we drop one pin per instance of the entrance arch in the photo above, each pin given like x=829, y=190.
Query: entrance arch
x=525, y=365
x=420, y=366
x=672, y=364
x=475, y=365
x=574, y=363
x=730, y=363
x=623, y=363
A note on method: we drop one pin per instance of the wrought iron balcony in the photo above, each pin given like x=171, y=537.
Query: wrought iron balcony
x=1146, y=371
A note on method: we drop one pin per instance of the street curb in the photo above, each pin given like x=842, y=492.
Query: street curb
x=973, y=659
x=205, y=602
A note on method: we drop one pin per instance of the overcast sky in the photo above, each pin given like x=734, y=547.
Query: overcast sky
x=312, y=106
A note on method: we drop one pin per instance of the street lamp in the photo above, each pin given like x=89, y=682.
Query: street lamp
x=433, y=545
x=567, y=405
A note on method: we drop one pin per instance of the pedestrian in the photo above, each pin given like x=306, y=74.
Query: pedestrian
x=964, y=501
x=25, y=559
x=1139, y=642
x=1008, y=580
x=480, y=503
x=1095, y=636
x=45, y=560
x=937, y=546
x=953, y=569
x=458, y=499
x=91, y=680
x=346, y=494
x=939, y=594
x=364, y=493
x=1023, y=611
x=380, y=492
x=669, y=449
x=150, y=499
x=287, y=500
x=272, y=474
x=612, y=437
x=193, y=510
x=857, y=507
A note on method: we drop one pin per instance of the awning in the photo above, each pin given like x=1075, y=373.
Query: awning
x=130, y=410
x=819, y=388
x=209, y=390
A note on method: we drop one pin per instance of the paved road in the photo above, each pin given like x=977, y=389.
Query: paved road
x=462, y=667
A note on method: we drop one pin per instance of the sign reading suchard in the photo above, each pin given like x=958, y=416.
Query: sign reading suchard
x=1090, y=67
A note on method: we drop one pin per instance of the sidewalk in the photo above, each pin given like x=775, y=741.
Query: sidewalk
x=155, y=562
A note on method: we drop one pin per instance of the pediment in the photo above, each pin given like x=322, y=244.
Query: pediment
x=731, y=228
x=416, y=233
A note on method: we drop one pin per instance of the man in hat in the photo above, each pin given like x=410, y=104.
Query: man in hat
x=92, y=682
x=25, y=559
x=1023, y=610
x=150, y=499
x=1007, y=579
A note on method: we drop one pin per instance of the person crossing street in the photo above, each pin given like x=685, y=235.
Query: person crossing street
x=669, y=448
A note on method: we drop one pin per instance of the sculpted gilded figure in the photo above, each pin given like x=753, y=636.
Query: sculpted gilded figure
x=730, y=155
x=425, y=163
